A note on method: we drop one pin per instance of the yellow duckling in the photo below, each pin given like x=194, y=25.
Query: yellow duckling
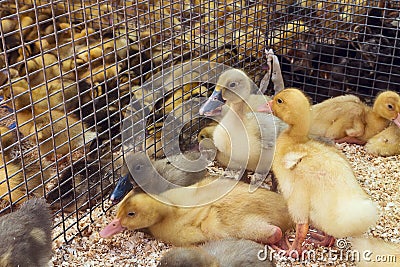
x=261, y=216
x=316, y=179
x=385, y=143
x=8, y=169
x=347, y=119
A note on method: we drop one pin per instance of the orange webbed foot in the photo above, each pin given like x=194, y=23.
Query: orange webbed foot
x=320, y=238
x=296, y=247
x=350, y=140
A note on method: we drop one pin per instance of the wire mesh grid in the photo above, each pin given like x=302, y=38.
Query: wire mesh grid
x=329, y=48
x=70, y=69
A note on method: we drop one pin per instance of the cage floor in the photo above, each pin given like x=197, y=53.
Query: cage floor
x=379, y=176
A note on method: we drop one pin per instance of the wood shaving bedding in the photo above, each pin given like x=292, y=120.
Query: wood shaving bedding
x=379, y=176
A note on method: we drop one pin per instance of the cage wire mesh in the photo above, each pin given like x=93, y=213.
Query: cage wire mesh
x=70, y=69
x=329, y=48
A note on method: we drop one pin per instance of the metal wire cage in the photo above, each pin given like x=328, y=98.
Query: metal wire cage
x=329, y=48
x=69, y=71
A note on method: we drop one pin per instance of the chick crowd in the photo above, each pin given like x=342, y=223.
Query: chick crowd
x=64, y=92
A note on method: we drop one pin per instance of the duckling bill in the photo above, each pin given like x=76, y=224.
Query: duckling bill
x=123, y=186
x=213, y=105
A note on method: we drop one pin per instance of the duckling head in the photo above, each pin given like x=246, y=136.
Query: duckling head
x=233, y=86
x=206, y=133
x=291, y=106
x=136, y=211
x=387, y=105
x=139, y=210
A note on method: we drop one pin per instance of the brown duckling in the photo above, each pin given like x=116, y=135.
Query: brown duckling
x=191, y=215
x=385, y=143
x=316, y=179
x=347, y=119
x=222, y=253
x=25, y=235
x=66, y=131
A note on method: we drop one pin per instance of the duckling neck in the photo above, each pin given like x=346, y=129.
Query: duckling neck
x=298, y=134
x=299, y=130
x=374, y=124
x=374, y=118
x=238, y=108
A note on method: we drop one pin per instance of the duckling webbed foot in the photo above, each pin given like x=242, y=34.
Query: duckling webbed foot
x=350, y=140
x=281, y=245
x=265, y=80
x=273, y=74
x=320, y=238
x=293, y=249
x=296, y=248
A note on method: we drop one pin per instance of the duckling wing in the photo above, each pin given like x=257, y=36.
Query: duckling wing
x=332, y=117
x=291, y=159
x=326, y=191
x=336, y=202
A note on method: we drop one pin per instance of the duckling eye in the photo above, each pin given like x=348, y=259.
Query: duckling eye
x=279, y=101
x=131, y=214
x=390, y=106
x=232, y=85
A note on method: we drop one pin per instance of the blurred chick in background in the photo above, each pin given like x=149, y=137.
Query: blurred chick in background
x=13, y=185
